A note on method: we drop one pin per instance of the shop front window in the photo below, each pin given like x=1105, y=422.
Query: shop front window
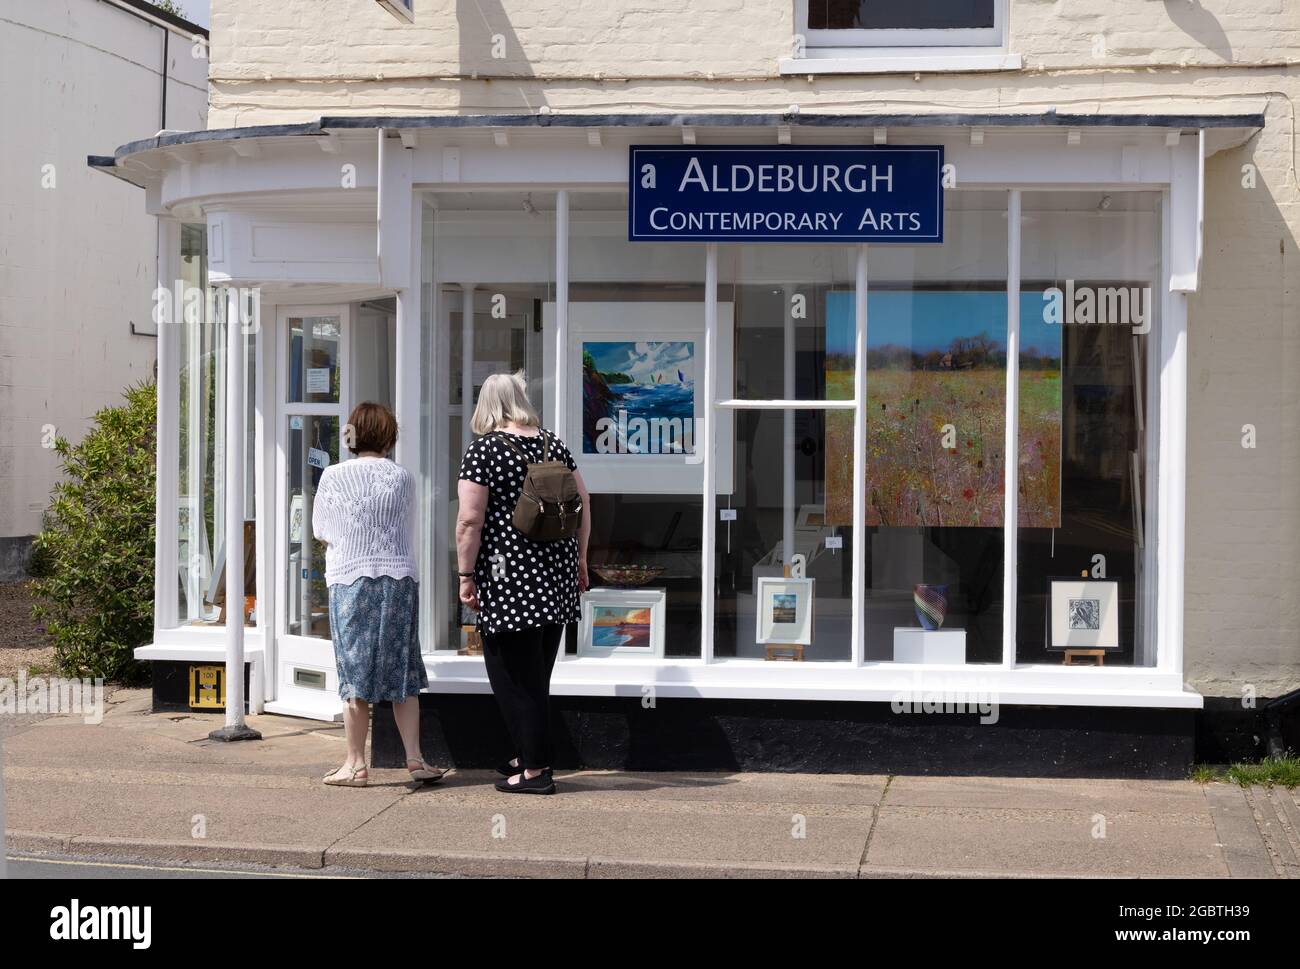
x=775, y=534
x=634, y=382
x=1090, y=279
x=928, y=529
x=200, y=319
x=492, y=259
x=935, y=439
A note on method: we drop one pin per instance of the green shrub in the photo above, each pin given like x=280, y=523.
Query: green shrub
x=97, y=544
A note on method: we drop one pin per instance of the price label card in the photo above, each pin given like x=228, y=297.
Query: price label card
x=834, y=541
x=727, y=514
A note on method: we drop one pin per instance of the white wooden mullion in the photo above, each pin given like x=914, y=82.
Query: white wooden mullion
x=741, y=404
x=234, y=511
x=705, y=445
x=561, y=393
x=859, y=565
x=1011, y=447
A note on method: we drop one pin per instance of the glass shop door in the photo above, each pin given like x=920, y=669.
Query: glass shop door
x=313, y=395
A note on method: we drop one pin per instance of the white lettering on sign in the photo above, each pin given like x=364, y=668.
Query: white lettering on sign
x=809, y=179
x=747, y=221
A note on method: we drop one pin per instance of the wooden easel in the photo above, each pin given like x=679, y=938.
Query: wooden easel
x=789, y=652
x=795, y=651
x=1083, y=657
x=473, y=641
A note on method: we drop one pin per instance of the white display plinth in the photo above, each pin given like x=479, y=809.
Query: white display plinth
x=915, y=645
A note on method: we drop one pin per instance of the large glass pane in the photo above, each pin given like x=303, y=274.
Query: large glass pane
x=1090, y=278
x=493, y=253
x=312, y=446
x=771, y=528
x=200, y=320
x=780, y=296
x=314, y=347
x=936, y=425
x=917, y=14
x=634, y=379
x=374, y=352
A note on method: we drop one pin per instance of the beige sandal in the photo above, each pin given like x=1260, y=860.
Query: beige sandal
x=424, y=772
x=347, y=777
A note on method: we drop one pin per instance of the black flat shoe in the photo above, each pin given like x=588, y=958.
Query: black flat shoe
x=543, y=783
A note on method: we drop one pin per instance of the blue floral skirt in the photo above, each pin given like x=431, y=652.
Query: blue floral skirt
x=376, y=631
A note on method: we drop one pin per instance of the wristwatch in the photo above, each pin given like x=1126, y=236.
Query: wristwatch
x=466, y=575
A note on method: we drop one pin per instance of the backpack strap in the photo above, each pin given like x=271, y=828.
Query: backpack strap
x=546, y=445
x=505, y=439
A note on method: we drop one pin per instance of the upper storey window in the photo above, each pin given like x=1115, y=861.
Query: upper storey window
x=917, y=23
x=834, y=36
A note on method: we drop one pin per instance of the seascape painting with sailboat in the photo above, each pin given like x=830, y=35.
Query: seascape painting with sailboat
x=638, y=397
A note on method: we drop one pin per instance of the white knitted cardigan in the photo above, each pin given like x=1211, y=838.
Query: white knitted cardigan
x=365, y=509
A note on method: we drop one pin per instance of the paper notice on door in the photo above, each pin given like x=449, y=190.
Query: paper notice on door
x=318, y=380
x=318, y=458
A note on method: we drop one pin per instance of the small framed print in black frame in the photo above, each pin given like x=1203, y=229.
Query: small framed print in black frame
x=1084, y=614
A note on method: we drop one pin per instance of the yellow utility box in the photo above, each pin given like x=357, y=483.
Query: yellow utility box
x=207, y=687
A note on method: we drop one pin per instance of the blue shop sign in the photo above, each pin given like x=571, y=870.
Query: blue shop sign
x=764, y=193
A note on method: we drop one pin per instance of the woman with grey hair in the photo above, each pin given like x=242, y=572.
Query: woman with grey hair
x=524, y=591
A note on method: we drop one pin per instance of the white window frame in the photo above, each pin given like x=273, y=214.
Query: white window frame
x=882, y=51
x=403, y=10
x=994, y=36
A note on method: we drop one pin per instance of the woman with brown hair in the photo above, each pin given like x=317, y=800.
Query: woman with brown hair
x=364, y=510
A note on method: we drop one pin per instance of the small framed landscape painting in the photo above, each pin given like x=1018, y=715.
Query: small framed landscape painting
x=785, y=610
x=1085, y=614
x=622, y=622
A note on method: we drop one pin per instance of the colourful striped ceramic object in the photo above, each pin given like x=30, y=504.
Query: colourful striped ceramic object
x=931, y=602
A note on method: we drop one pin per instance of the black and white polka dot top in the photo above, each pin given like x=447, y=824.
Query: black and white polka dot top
x=521, y=583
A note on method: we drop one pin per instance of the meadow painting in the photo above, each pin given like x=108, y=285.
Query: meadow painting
x=937, y=358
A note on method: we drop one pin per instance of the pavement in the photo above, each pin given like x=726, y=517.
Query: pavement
x=151, y=788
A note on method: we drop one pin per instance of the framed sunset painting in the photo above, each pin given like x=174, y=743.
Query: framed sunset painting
x=622, y=622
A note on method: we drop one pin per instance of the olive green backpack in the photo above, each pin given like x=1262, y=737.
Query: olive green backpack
x=549, y=508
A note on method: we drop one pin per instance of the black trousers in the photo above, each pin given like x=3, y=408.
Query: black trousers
x=519, y=668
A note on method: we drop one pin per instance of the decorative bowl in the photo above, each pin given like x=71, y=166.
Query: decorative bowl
x=628, y=575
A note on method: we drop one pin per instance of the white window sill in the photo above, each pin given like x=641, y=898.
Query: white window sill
x=863, y=60
x=879, y=682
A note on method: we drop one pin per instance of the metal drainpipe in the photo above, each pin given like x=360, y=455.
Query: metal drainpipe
x=167, y=36
x=1273, y=711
